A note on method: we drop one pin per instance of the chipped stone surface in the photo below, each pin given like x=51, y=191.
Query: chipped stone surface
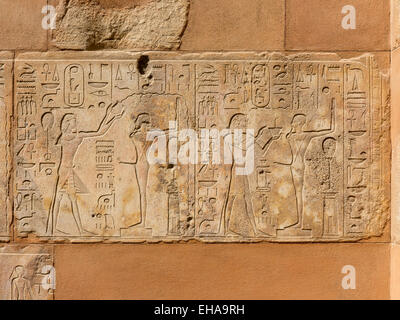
x=6, y=83
x=26, y=273
x=94, y=24
x=321, y=146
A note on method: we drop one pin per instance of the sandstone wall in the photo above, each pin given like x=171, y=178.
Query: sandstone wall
x=81, y=202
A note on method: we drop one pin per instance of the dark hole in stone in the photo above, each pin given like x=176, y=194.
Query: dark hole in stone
x=142, y=64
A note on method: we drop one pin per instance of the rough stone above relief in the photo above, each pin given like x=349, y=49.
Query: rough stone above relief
x=26, y=273
x=320, y=140
x=141, y=25
x=6, y=96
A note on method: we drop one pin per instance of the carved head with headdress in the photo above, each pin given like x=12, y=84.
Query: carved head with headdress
x=68, y=126
x=140, y=124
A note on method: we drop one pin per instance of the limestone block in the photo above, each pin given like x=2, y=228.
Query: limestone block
x=235, y=25
x=95, y=24
x=395, y=23
x=6, y=98
x=286, y=148
x=26, y=273
x=395, y=100
x=21, y=25
x=317, y=25
x=222, y=271
x=394, y=271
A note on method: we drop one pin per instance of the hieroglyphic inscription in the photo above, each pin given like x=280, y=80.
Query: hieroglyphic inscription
x=318, y=125
x=26, y=273
x=6, y=63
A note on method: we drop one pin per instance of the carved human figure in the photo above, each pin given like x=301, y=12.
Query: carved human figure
x=20, y=286
x=68, y=183
x=299, y=140
x=141, y=125
x=276, y=151
x=324, y=166
x=329, y=149
x=238, y=209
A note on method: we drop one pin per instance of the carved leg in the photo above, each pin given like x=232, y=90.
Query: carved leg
x=75, y=213
x=228, y=212
x=56, y=210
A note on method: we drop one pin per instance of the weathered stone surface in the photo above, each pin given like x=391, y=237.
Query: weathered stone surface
x=6, y=97
x=95, y=24
x=26, y=273
x=321, y=146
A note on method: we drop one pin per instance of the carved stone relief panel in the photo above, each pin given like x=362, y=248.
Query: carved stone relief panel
x=215, y=147
x=26, y=273
x=6, y=96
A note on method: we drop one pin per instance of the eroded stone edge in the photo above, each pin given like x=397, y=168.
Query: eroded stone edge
x=8, y=58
